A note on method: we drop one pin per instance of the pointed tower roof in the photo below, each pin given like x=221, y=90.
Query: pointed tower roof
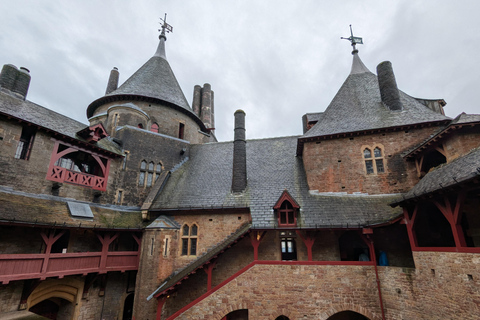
x=358, y=106
x=154, y=81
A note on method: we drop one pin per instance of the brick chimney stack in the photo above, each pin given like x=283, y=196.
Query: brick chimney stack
x=15, y=80
x=202, y=105
x=239, y=177
x=112, y=81
x=388, y=86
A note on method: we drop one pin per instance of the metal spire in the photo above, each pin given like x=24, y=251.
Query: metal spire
x=165, y=28
x=353, y=40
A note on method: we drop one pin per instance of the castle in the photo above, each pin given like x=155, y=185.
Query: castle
x=370, y=213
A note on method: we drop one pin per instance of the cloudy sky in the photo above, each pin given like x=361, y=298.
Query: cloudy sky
x=277, y=60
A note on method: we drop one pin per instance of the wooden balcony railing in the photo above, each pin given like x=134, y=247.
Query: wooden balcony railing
x=41, y=266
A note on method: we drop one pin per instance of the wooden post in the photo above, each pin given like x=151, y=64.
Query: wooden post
x=453, y=215
x=106, y=241
x=208, y=270
x=160, y=302
x=256, y=238
x=49, y=241
x=409, y=223
x=308, y=241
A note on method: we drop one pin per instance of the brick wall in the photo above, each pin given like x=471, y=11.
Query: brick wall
x=166, y=117
x=30, y=175
x=337, y=165
x=298, y=292
x=462, y=143
x=10, y=296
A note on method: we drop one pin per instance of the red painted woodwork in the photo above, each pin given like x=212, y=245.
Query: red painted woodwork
x=286, y=196
x=59, y=174
x=308, y=241
x=160, y=303
x=93, y=133
x=31, y=266
x=44, y=265
x=453, y=214
x=283, y=211
x=256, y=238
x=208, y=270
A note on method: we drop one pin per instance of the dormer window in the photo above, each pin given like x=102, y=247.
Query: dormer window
x=286, y=209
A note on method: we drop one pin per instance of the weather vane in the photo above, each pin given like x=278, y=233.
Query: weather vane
x=353, y=40
x=165, y=26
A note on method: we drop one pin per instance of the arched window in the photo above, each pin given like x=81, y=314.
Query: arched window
x=143, y=169
x=158, y=170
x=373, y=162
x=140, y=126
x=154, y=127
x=150, y=174
x=189, y=240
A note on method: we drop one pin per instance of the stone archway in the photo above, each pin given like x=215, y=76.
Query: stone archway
x=60, y=297
x=350, y=310
x=348, y=315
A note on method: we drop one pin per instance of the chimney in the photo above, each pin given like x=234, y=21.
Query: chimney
x=388, y=86
x=112, y=81
x=239, y=176
x=206, y=105
x=197, y=100
x=14, y=80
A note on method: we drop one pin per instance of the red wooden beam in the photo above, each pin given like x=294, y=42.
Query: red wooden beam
x=208, y=270
x=308, y=241
x=256, y=238
x=453, y=215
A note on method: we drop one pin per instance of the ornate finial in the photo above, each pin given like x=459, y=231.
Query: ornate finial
x=165, y=27
x=353, y=40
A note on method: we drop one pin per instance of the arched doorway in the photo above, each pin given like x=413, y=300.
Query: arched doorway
x=348, y=315
x=241, y=314
x=54, y=308
x=282, y=318
x=128, y=307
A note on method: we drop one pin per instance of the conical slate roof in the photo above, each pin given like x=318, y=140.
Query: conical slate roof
x=357, y=106
x=153, y=81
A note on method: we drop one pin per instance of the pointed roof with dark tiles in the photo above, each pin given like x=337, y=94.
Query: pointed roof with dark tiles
x=357, y=106
x=154, y=81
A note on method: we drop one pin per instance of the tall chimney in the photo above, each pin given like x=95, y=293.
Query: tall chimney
x=112, y=81
x=239, y=177
x=8, y=76
x=22, y=82
x=388, y=86
x=197, y=98
x=14, y=80
x=206, y=105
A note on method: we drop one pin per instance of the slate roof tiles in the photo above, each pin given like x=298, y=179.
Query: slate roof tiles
x=205, y=182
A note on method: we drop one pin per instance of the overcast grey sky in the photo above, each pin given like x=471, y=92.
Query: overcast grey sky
x=277, y=60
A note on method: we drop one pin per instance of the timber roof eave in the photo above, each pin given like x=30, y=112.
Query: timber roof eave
x=439, y=136
x=132, y=97
x=64, y=226
x=302, y=140
x=443, y=189
x=66, y=137
x=176, y=279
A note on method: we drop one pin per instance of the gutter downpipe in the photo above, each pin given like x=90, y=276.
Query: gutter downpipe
x=374, y=258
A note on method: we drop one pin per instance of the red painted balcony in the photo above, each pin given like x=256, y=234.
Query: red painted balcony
x=41, y=266
x=60, y=174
